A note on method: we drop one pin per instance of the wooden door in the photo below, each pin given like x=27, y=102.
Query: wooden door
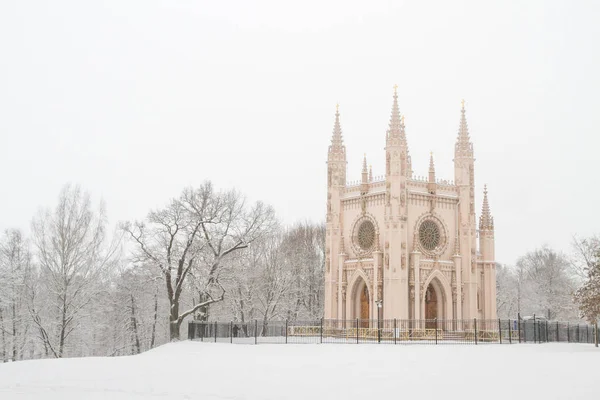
x=431, y=307
x=364, y=307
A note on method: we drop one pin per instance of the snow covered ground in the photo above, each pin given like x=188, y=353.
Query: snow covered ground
x=192, y=370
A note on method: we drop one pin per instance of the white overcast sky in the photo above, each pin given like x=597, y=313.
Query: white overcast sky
x=135, y=100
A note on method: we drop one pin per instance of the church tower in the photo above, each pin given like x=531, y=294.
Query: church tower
x=465, y=251
x=397, y=170
x=336, y=182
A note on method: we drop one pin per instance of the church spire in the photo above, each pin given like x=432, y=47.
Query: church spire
x=486, y=221
x=396, y=127
x=431, y=186
x=463, y=147
x=365, y=172
x=337, y=141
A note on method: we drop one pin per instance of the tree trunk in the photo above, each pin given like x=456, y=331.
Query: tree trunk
x=174, y=322
x=3, y=337
x=14, y=328
x=134, y=326
x=152, y=339
x=63, y=327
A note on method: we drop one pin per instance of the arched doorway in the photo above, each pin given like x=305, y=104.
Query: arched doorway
x=434, y=303
x=431, y=303
x=361, y=308
x=364, y=306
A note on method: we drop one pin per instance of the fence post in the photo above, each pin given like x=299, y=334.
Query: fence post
x=509, y=332
x=395, y=325
x=321, y=330
x=475, y=325
x=500, y=330
x=577, y=333
x=596, y=333
x=202, y=331
x=286, y=329
x=231, y=332
x=190, y=331
x=356, y=330
x=547, y=332
x=215, y=331
x=436, y=327
x=255, y=331
x=534, y=332
x=568, y=332
x=557, y=332
x=519, y=326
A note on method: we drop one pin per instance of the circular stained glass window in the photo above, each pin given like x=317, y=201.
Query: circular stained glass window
x=429, y=235
x=366, y=235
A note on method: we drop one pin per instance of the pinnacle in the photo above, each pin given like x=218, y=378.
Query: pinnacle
x=486, y=221
x=337, y=141
x=396, y=127
x=431, y=164
x=463, y=147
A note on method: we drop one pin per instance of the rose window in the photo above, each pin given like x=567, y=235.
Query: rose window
x=429, y=235
x=366, y=235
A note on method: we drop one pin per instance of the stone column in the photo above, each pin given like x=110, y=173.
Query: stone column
x=416, y=265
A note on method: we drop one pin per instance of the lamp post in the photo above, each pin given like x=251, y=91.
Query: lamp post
x=379, y=305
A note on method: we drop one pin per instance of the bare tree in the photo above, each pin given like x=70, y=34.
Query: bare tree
x=550, y=283
x=72, y=254
x=584, y=255
x=15, y=267
x=189, y=241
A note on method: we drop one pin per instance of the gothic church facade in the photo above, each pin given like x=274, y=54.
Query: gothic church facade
x=407, y=247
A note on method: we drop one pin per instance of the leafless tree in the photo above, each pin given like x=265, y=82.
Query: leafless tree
x=15, y=271
x=190, y=240
x=72, y=251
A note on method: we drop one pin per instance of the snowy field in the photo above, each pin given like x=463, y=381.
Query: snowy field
x=193, y=370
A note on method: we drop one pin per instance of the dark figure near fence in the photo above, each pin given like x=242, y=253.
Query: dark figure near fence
x=235, y=330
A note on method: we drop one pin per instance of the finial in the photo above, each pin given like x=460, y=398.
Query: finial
x=337, y=107
x=485, y=189
x=395, y=89
x=462, y=103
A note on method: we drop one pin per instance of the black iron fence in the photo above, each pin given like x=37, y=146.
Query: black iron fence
x=394, y=331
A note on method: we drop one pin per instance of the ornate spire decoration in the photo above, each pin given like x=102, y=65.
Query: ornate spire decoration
x=396, y=128
x=463, y=147
x=431, y=185
x=431, y=166
x=337, y=141
x=486, y=221
x=370, y=173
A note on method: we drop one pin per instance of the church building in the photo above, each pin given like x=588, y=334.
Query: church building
x=403, y=246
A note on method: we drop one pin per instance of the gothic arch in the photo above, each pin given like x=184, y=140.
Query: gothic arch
x=440, y=283
x=357, y=282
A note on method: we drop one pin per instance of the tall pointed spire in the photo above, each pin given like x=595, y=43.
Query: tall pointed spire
x=370, y=173
x=464, y=147
x=486, y=221
x=431, y=186
x=396, y=127
x=337, y=150
x=365, y=172
x=431, y=166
